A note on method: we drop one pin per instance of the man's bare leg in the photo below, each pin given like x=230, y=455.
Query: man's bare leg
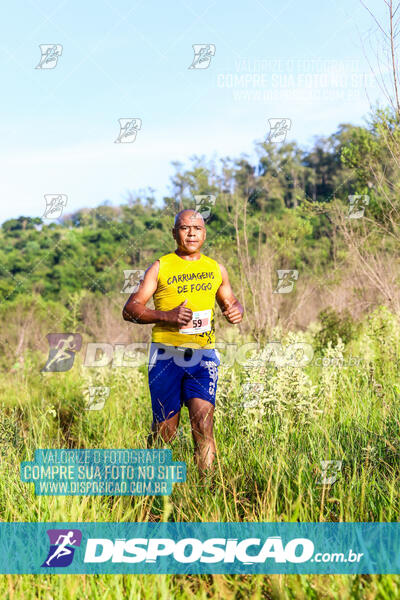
x=201, y=413
x=164, y=430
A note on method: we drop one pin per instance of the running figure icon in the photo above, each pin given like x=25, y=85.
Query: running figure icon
x=62, y=549
x=63, y=544
x=63, y=347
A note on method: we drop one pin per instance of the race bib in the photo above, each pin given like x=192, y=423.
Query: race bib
x=200, y=322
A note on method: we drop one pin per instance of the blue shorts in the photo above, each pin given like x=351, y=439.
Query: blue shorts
x=177, y=374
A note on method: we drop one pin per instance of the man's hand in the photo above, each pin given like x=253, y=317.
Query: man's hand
x=233, y=312
x=180, y=315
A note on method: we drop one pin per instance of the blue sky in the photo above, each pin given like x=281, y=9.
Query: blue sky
x=129, y=59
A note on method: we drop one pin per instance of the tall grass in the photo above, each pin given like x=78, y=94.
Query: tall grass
x=268, y=462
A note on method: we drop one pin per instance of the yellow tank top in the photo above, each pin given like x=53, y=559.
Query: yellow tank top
x=198, y=282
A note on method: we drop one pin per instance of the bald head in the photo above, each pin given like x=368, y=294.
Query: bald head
x=189, y=232
x=187, y=212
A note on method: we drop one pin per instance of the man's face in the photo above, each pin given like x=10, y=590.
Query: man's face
x=190, y=233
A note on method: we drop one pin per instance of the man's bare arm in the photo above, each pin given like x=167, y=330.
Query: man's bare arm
x=229, y=304
x=135, y=309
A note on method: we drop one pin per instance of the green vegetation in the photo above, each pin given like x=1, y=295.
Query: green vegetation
x=89, y=248
x=268, y=466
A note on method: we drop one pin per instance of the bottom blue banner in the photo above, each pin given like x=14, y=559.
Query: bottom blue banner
x=189, y=548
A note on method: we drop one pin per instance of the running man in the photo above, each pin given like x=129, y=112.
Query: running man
x=183, y=361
